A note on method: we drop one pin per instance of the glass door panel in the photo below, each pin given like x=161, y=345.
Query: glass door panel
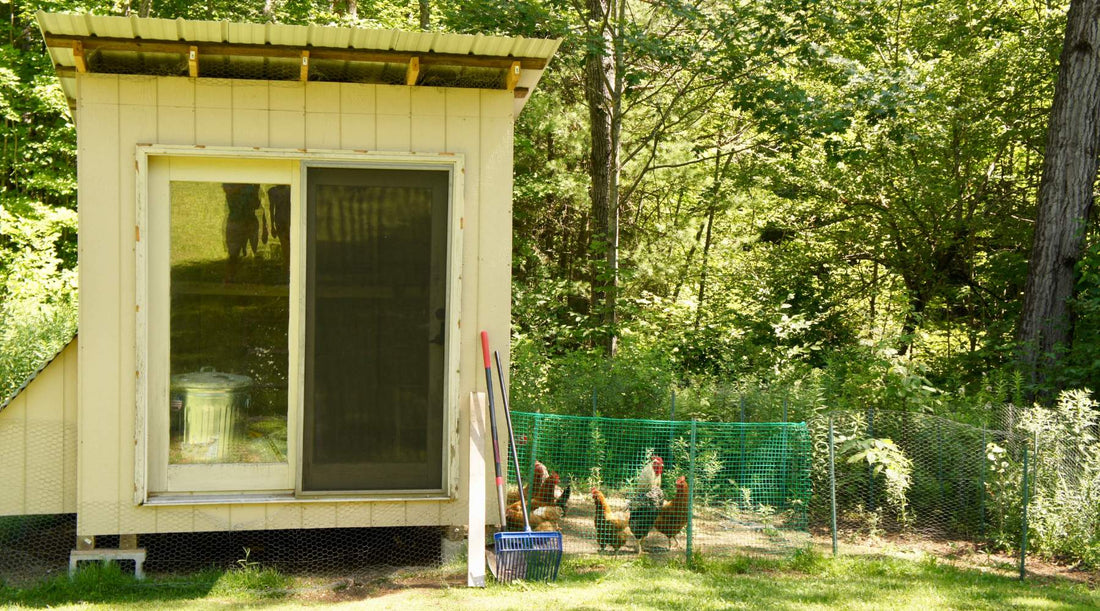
x=220, y=232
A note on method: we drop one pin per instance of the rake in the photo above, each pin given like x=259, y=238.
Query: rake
x=527, y=555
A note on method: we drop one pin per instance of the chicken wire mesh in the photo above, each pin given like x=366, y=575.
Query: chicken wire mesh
x=38, y=546
x=902, y=474
x=617, y=486
x=1029, y=487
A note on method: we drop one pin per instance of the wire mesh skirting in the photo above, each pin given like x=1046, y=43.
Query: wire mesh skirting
x=37, y=547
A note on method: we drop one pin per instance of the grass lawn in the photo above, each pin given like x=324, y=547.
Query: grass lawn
x=808, y=581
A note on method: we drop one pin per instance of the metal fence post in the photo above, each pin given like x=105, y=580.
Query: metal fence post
x=981, y=487
x=1023, y=525
x=870, y=468
x=741, y=447
x=671, y=428
x=939, y=458
x=691, y=493
x=832, y=483
x=534, y=447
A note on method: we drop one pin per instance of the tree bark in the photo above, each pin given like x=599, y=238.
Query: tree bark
x=145, y=8
x=425, y=15
x=602, y=168
x=1065, y=194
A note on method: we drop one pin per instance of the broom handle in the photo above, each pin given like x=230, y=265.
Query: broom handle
x=512, y=440
x=493, y=428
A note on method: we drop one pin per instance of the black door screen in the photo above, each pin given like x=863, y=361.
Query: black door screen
x=375, y=296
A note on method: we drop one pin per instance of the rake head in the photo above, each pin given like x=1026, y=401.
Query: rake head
x=531, y=556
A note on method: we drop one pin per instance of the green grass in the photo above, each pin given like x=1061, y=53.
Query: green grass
x=806, y=581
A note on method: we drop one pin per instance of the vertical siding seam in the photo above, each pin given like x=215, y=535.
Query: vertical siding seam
x=26, y=488
x=123, y=231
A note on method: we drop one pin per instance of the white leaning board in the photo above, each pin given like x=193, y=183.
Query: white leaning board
x=475, y=552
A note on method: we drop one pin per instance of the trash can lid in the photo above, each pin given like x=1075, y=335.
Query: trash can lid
x=208, y=379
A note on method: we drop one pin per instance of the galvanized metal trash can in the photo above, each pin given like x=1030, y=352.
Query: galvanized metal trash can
x=208, y=407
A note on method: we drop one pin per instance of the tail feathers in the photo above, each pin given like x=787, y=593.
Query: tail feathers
x=564, y=498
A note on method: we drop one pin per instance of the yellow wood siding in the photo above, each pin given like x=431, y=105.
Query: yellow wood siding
x=38, y=442
x=117, y=113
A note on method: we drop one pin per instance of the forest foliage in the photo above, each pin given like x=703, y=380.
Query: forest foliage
x=836, y=196
x=815, y=206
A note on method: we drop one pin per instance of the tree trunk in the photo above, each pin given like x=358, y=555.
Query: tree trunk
x=703, y=273
x=1065, y=194
x=425, y=15
x=145, y=8
x=599, y=74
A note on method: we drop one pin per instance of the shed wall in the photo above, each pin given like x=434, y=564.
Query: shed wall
x=38, y=442
x=116, y=113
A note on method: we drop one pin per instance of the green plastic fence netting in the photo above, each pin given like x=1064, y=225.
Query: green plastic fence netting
x=747, y=485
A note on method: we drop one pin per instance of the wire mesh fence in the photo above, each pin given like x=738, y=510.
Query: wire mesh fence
x=1029, y=488
x=624, y=486
x=1031, y=485
x=902, y=474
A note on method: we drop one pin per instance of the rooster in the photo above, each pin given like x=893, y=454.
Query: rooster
x=611, y=528
x=647, y=499
x=674, y=514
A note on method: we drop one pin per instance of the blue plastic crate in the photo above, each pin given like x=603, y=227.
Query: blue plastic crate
x=531, y=556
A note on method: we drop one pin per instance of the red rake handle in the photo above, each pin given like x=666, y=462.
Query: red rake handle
x=493, y=428
x=485, y=350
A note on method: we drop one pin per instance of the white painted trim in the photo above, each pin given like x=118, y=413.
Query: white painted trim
x=475, y=537
x=141, y=437
x=252, y=498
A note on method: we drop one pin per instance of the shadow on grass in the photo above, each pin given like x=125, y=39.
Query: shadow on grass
x=806, y=579
x=107, y=584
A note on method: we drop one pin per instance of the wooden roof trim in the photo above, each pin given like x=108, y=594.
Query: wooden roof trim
x=6, y=401
x=181, y=47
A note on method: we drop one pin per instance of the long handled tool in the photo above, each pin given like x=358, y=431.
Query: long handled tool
x=529, y=555
x=493, y=428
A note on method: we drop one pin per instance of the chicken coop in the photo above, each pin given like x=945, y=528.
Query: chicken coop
x=290, y=237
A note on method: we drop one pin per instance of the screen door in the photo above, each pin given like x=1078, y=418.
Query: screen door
x=375, y=329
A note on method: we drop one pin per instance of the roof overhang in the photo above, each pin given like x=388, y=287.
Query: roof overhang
x=81, y=43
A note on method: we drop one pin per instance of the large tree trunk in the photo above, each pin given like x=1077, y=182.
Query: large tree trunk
x=425, y=15
x=602, y=168
x=1065, y=194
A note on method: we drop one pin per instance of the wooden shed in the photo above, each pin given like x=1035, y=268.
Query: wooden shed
x=290, y=238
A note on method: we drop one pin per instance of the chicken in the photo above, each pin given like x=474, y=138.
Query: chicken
x=647, y=499
x=541, y=473
x=542, y=519
x=543, y=507
x=673, y=516
x=611, y=528
x=544, y=494
x=551, y=495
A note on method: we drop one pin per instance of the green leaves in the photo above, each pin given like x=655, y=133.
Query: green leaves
x=884, y=458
